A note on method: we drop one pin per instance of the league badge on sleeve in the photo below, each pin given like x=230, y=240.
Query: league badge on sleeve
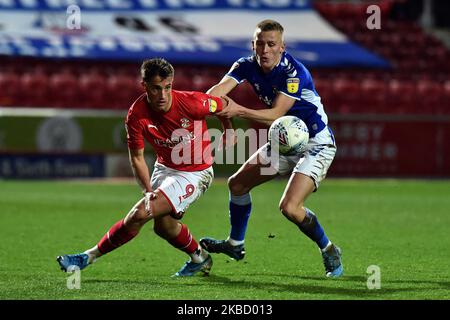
x=292, y=84
x=212, y=105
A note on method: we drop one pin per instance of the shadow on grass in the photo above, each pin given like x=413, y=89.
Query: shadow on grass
x=352, y=286
x=349, y=285
x=163, y=281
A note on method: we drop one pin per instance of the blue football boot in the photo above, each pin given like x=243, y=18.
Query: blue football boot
x=70, y=262
x=191, y=268
x=333, y=262
x=223, y=246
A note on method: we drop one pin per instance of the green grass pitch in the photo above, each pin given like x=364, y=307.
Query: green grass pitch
x=401, y=226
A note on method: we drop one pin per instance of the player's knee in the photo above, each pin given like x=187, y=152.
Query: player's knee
x=286, y=208
x=289, y=209
x=138, y=215
x=236, y=186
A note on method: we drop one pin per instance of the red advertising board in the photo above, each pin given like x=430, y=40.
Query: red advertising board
x=397, y=146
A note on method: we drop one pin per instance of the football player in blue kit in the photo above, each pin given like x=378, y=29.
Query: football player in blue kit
x=286, y=87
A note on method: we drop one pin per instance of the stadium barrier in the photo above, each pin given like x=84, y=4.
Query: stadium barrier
x=391, y=145
x=54, y=143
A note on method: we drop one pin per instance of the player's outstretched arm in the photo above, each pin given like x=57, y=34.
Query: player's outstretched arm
x=279, y=108
x=140, y=169
x=223, y=87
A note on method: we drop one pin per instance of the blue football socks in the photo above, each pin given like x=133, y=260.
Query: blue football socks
x=311, y=227
x=240, y=208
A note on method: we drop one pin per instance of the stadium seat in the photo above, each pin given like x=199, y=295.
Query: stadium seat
x=415, y=39
x=123, y=90
x=10, y=89
x=182, y=82
x=35, y=84
x=402, y=97
x=346, y=94
x=432, y=96
x=202, y=82
x=363, y=38
x=64, y=89
x=344, y=25
x=324, y=88
x=329, y=10
x=373, y=95
x=93, y=93
x=444, y=107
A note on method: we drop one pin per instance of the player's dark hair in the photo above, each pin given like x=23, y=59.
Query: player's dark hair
x=156, y=67
x=270, y=25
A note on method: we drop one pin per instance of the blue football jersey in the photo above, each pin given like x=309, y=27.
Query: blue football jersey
x=289, y=77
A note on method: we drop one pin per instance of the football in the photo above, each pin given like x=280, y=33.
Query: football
x=289, y=135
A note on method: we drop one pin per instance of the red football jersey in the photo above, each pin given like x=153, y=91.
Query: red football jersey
x=180, y=136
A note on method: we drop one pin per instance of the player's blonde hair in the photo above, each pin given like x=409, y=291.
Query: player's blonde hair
x=270, y=25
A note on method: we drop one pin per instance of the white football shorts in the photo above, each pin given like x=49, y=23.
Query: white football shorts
x=314, y=162
x=180, y=188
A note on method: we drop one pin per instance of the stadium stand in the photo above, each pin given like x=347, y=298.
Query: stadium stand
x=413, y=53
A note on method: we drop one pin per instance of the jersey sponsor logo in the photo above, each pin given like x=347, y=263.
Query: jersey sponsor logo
x=292, y=85
x=173, y=141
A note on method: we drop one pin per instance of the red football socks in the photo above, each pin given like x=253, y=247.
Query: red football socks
x=115, y=237
x=184, y=241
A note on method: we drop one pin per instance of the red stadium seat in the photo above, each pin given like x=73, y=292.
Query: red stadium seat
x=182, y=82
x=346, y=94
x=430, y=96
x=330, y=11
x=123, y=90
x=373, y=95
x=35, y=86
x=344, y=25
x=64, y=89
x=406, y=66
x=10, y=89
x=93, y=93
x=364, y=38
x=324, y=88
x=444, y=107
x=415, y=39
x=203, y=82
x=402, y=97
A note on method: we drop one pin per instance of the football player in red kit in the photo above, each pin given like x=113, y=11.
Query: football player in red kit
x=173, y=122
